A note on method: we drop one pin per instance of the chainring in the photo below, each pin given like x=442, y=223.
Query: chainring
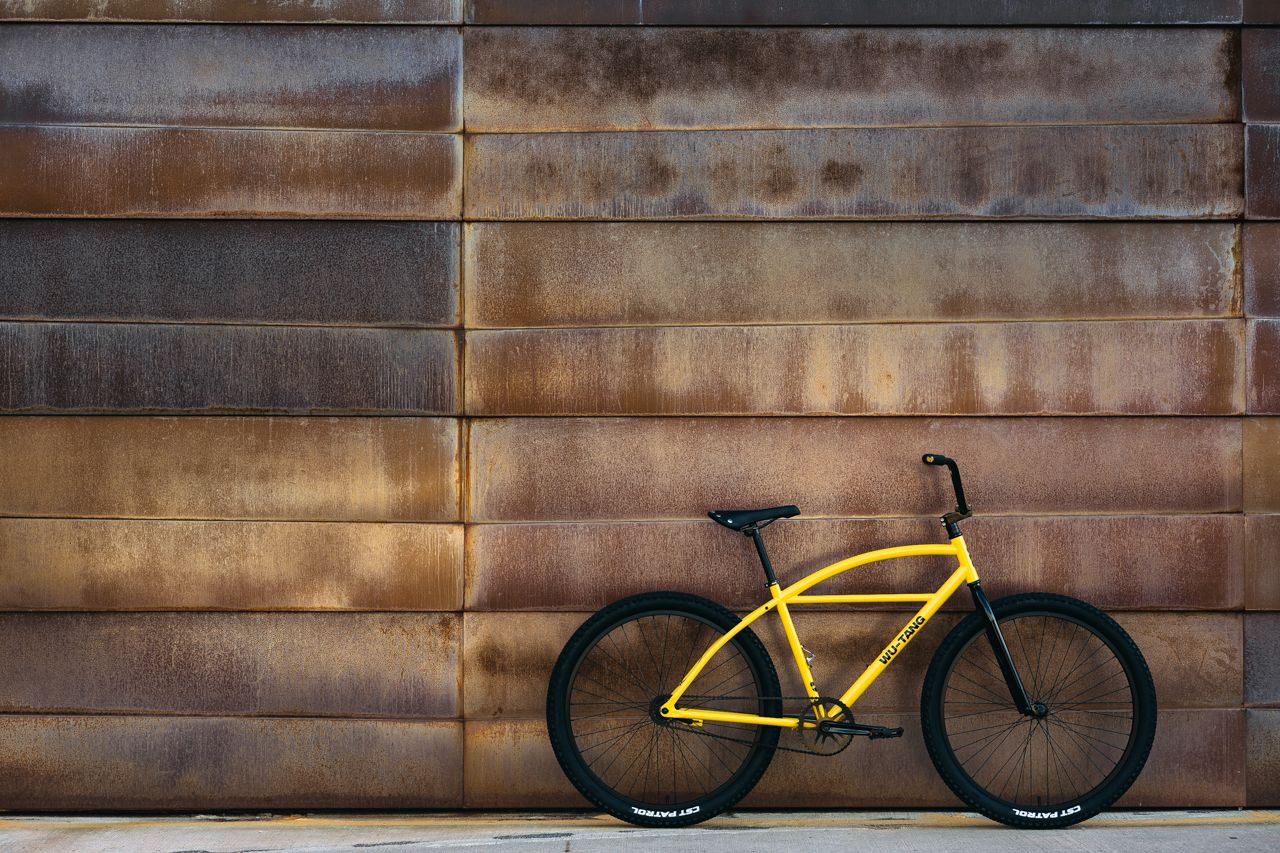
x=819, y=742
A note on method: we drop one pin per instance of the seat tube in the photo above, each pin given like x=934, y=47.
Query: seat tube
x=793, y=640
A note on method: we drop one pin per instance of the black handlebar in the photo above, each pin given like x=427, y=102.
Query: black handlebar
x=962, y=507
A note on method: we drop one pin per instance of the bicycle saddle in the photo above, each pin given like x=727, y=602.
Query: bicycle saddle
x=736, y=519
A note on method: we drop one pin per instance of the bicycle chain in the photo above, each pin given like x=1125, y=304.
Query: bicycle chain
x=776, y=747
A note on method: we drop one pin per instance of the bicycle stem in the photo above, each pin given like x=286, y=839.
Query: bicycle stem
x=998, y=647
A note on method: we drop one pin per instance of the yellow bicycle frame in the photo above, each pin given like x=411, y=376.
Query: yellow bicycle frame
x=780, y=599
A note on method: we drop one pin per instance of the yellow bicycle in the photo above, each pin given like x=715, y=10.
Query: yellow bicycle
x=1038, y=710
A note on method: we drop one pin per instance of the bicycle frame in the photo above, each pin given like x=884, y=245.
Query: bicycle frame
x=781, y=599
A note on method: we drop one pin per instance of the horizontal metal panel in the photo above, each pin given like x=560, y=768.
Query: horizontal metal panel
x=385, y=78
x=1262, y=757
x=1264, y=367
x=1262, y=464
x=77, y=367
x=672, y=273
x=857, y=12
x=1260, y=246
x=1262, y=659
x=1262, y=171
x=301, y=273
x=1187, y=367
x=1262, y=562
x=1260, y=70
x=1112, y=561
x=1150, y=172
x=311, y=469
x=509, y=764
x=145, y=172
x=228, y=664
x=96, y=564
x=71, y=763
x=509, y=657
x=313, y=11
x=624, y=78
x=1197, y=760
x=550, y=469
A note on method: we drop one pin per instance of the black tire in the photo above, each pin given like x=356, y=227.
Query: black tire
x=1050, y=772
x=626, y=659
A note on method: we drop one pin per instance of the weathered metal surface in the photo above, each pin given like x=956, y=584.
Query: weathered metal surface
x=77, y=763
x=1264, y=367
x=860, y=12
x=92, y=564
x=1262, y=171
x=383, y=78
x=272, y=11
x=1128, y=367
x=301, y=273
x=1260, y=246
x=1261, y=12
x=1262, y=562
x=297, y=664
x=143, y=172
x=1198, y=759
x=1260, y=70
x=77, y=367
x=1262, y=464
x=1115, y=562
x=1153, y=171
x=663, y=273
x=1262, y=755
x=308, y=469
x=509, y=764
x=551, y=469
x=509, y=657
x=622, y=78
x=1262, y=659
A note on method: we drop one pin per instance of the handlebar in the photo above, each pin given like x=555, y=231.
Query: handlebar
x=962, y=507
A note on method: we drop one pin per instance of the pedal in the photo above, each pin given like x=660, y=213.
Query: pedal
x=837, y=728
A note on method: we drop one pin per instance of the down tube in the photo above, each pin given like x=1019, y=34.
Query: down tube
x=923, y=615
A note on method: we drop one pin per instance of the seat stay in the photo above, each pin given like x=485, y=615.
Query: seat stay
x=793, y=594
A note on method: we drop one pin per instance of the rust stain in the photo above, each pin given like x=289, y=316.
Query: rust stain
x=105, y=565
x=634, y=78
x=1186, y=367
x=76, y=763
x=1262, y=464
x=651, y=273
x=249, y=468
x=142, y=172
x=1154, y=171
x=232, y=664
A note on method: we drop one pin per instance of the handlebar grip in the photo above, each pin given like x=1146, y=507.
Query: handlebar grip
x=935, y=459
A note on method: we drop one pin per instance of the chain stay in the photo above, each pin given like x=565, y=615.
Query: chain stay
x=777, y=748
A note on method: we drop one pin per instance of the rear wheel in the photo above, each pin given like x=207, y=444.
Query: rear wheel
x=1092, y=727
x=603, y=710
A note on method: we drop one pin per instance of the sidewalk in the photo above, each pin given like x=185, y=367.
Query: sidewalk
x=1122, y=832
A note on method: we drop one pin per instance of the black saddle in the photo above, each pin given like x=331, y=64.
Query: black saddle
x=736, y=519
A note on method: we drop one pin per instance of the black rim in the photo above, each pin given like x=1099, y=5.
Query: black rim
x=1083, y=729
x=621, y=741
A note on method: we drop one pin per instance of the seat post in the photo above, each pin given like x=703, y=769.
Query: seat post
x=754, y=533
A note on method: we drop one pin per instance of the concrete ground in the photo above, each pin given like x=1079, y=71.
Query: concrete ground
x=1122, y=832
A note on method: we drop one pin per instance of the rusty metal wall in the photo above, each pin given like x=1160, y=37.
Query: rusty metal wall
x=354, y=350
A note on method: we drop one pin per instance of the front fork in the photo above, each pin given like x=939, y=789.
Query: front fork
x=998, y=647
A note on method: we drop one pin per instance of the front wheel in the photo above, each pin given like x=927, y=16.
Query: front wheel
x=1093, y=720
x=603, y=714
